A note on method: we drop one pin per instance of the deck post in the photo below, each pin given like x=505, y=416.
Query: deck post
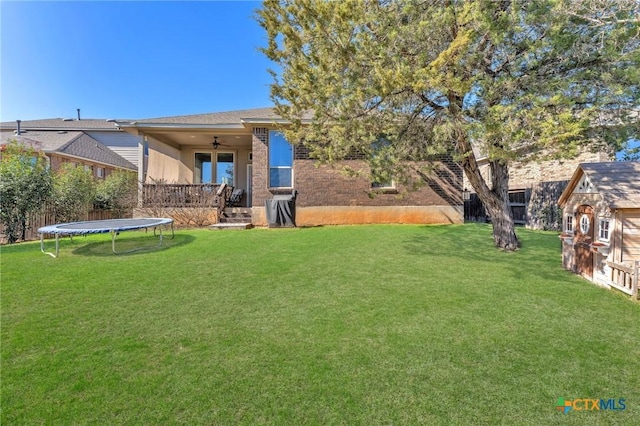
x=634, y=279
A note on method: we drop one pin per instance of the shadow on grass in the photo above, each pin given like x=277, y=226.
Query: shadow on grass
x=474, y=243
x=140, y=245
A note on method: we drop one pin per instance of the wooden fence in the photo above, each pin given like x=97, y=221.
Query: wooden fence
x=535, y=207
x=47, y=217
x=625, y=277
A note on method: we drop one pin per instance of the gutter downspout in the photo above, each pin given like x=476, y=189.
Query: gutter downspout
x=142, y=139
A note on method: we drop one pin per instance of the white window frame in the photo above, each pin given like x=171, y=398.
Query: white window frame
x=569, y=224
x=269, y=166
x=214, y=167
x=100, y=172
x=383, y=186
x=212, y=156
x=604, y=225
x=585, y=223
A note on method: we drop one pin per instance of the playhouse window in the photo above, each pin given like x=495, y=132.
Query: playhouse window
x=604, y=229
x=569, y=227
x=280, y=161
x=585, y=224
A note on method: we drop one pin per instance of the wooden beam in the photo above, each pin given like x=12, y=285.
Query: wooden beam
x=634, y=280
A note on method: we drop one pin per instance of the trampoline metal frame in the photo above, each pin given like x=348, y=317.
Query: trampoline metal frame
x=113, y=231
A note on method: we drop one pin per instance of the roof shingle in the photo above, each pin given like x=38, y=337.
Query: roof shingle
x=77, y=144
x=61, y=124
x=226, y=117
x=617, y=181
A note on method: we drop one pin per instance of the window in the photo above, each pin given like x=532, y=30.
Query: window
x=224, y=168
x=604, y=229
x=517, y=200
x=100, y=172
x=569, y=227
x=585, y=223
x=381, y=164
x=280, y=161
x=202, y=168
x=385, y=184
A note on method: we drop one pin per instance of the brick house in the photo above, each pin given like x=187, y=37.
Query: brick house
x=105, y=132
x=534, y=188
x=244, y=150
x=73, y=147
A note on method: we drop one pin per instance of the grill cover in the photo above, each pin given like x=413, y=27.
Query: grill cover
x=281, y=211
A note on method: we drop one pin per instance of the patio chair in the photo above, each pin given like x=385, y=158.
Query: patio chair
x=235, y=198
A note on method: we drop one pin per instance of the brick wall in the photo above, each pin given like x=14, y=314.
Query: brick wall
x=260, y=179
x=326, y=186
x=524, y=175
x=543, y=181
x=329, y=186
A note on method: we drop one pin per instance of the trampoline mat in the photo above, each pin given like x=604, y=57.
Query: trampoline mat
x=100, y=226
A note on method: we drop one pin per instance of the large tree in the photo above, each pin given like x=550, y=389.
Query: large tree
x=25, y=186
x=73, y=192
x=511, y=80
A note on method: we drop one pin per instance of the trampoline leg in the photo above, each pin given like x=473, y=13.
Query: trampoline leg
x=113, y=242
x=160, y=230
x=46, y=252
x=159, y=235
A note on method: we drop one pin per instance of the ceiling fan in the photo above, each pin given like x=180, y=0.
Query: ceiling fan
x=215, y=143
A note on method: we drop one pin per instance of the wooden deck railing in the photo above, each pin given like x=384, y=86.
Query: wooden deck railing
x=203, y=195
x=625, y=277
x=176, y=195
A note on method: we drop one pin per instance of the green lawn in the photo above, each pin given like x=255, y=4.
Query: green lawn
x=331, y=325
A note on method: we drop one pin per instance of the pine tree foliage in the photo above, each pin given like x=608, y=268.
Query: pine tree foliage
x=509, y=80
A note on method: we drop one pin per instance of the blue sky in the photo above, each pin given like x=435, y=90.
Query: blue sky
x=130, y=59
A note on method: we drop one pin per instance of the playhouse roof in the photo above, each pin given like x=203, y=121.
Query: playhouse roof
x=617, y=182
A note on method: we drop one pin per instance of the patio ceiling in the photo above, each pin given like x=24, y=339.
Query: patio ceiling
x=226, y=139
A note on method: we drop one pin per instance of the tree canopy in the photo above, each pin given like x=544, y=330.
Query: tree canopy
x=25, y=185
x=73, y=192
x=509, y=80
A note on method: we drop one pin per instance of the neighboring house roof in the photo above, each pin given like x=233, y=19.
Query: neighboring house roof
x=256, y=115
x=73, y=144
x=617, y=182
x=61, y=124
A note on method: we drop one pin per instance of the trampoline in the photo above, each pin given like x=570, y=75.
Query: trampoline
x=113, y=226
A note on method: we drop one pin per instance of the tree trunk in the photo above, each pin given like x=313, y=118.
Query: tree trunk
x=499, y=208
x=495, y=199
x=23, y=228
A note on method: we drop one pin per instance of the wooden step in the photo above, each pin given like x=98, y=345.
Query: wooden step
x=232, y=226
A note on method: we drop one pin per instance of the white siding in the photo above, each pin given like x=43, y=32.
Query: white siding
x=122, y=143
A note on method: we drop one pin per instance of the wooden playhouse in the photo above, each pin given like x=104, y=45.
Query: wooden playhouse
x=601, y=224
